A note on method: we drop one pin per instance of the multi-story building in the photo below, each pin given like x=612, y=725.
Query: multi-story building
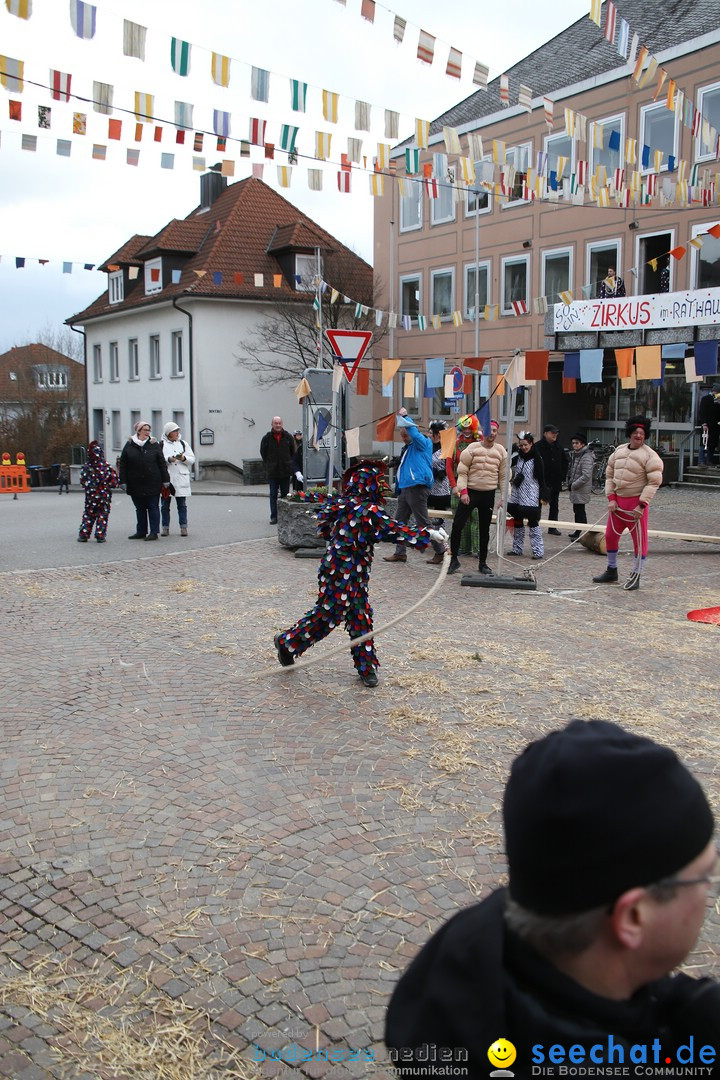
x=169, y=340
x=597, y=151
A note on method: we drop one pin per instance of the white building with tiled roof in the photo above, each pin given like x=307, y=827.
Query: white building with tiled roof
x=165, y=340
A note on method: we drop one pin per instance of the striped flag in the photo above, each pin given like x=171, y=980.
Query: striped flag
x=144, y=105
x=412, y=161
x=595, y=8
x=180, y=56
x=383, y=155
x=102, y=97
x=457, y=318
x=330, y=106
x=82, y=18
x=288, y=135
x=610, y=17
x=377, y=184
x=422, y=133
x=549, y=110
x=298, y=95
x=220, y=69
x=454, y=64
x=221, y=123
x=284, y=173
x=257, y=131
x=480, y=75
x=260, y=84
x=183, y=115
x=426, y=47
x=60, y=85
x=519, y=307
x=623, y=37
x=21, y=8
x=525, y=98
x=505, y=90
x=12, y=74
x=134, y=36
x=323, y=142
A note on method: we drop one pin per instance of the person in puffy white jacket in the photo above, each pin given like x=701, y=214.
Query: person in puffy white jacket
x=179, y=457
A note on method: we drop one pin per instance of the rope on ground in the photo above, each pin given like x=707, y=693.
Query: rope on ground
x=303, y=665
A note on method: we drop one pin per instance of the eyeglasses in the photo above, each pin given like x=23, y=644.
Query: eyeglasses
x=711, y=880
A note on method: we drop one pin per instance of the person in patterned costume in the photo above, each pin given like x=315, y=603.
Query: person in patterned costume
x=98, y=478
x=351, y=523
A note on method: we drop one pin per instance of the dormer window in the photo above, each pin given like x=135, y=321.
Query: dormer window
x=116, y=287
x=305, y=272
x=153, y=276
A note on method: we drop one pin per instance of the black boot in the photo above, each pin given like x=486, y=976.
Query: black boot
x=610, y=574
x=286, y=658
x=633, y=582
x=454, y=565
x=485, y=569
x=369, y=678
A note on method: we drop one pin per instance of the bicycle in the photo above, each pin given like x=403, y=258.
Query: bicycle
x=601, y=455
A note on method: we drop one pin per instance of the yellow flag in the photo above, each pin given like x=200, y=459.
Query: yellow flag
x=220, y=69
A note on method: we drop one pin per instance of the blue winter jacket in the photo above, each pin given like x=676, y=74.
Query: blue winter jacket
x=416, y=466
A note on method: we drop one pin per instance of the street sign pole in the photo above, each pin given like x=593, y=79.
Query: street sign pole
x=348, y=346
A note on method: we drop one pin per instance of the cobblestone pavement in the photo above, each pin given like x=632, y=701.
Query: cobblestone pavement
x=206, y=858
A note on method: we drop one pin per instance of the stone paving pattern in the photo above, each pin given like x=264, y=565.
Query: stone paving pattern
x=196, y=830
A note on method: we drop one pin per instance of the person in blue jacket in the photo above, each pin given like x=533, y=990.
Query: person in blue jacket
x=414, y=482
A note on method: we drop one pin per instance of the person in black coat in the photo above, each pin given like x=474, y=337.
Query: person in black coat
x=277, y=449
x=555, y=465
x=709, y=416
x=144, y=472
x=611, y=859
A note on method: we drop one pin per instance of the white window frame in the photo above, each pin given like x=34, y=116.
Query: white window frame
x=471, y=210
x=406, y=201
x=712, y=88
x=178, y=357
x=154, y=356
x=559, y=136
x=114, y=362
x=602, y=245
x=512, y=150
x=446, y=185
x=506, y=307
x=116, y=286
x=442, y=271
x=554, y=253
x=645, y=110
x=115, y=429
x=306, y=269
x=97, y=364
x=483, y=264
x=640, y=266
x=150, y=285
x=612, y=123
x=407, y=279
x=699, y=230
x=133, y=360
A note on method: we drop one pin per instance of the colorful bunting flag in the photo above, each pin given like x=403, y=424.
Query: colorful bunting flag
x=454, y=64
x=183, y=115
x=610, y=17
x=623, y=37
x=134, y=37
x=519, y=307
x=60, y=84
x=367, y=10
x=180, y=56
x=422, y=133
x=221, y=123
x=82, y=18
x=595, y=7
x=259, y=84
x=480, y=76
x=12, y=74
x=144, y=106
x=102, y=97
x=505, y=90
x=257, y=131
x=330, y=106
x=220, y=69
x=426, y=47
x=323, y=142
x=399, y=26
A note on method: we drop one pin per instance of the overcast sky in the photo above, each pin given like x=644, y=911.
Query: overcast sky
x=79, y=210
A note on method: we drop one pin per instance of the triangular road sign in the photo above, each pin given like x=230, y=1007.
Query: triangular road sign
x=349, y=345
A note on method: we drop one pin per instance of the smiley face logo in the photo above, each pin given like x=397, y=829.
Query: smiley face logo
x=502, y=1053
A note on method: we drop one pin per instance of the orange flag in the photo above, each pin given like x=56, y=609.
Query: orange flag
x=569, y=386
x=385, y=428
x=467, y=384
x=648, y=361
x=715, y=231
x=624, y=360
x=536, y=364
x=362, y=382
x=477, y=363
x=678, y=252
x=448, y=439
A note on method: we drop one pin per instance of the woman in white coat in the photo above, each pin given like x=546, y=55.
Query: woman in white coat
x=179, y=457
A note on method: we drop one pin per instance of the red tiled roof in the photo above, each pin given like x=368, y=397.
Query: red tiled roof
x=180, y=236
x=126, y=254
x=246, y=223
x=21, y=358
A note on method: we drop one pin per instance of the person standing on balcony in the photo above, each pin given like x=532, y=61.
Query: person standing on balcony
x=611, y=286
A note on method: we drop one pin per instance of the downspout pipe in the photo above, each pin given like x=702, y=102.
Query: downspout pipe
x=193, y=441
x=87, y=410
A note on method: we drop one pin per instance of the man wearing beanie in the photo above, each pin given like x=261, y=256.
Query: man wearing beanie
x=611, y=860
x=634, y=473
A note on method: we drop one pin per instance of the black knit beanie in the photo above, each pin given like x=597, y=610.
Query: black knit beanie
x=594, y=810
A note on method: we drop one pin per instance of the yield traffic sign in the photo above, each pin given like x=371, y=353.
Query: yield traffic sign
x=349, y=345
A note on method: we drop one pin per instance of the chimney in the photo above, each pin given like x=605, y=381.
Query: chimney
x=212, y=184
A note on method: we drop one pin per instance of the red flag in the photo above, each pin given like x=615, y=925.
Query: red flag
x=362, y=382
x=569, y=385
x=385, y=428
x=715, y=231
x=477, y=363
x=536, y=364
x=60, y=86
x=115, y=129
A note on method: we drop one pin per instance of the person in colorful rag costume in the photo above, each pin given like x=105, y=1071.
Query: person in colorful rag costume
x=98, y=478
x=351, y=523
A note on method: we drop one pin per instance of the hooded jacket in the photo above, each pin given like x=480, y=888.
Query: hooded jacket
x=96, y=476
x=143, y=469
x=475, y=982
x=415, y=469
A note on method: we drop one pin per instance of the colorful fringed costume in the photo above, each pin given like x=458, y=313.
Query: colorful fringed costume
x=351, y=523
x=98, y=478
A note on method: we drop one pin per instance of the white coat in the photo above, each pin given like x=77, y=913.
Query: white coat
x=179, y=470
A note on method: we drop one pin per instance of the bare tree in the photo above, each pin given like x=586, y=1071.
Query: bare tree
x=288, y=340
